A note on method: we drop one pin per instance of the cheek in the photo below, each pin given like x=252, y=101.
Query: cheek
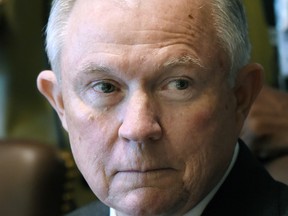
x=211, y=120
x=88, y=128
x=192, y=124
x=199, y=132
x=202, y=143
x=85, y=141
x=91, y=137
x=190, y=134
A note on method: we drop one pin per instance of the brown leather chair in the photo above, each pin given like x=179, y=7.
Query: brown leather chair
x=32, y=179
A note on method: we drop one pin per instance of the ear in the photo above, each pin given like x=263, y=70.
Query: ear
x=248, y=84
x=50, y=87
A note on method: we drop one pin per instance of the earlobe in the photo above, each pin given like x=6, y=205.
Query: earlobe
x=49, y=86
x=247, y=87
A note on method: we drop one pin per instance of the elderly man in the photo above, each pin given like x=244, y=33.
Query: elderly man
x=153, y=95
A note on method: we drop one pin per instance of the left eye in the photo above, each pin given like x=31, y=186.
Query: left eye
x=178, y=88
x=179, y=84
x=104, y=87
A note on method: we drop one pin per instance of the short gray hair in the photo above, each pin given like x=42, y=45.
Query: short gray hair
x=229, y=21
x=232, y=31
x=56, y=30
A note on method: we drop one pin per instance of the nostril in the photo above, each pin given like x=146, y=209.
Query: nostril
x=140, y=131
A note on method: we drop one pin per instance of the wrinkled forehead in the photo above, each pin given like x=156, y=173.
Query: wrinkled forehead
x=118, y=17
x=98, y=26
x=166, y=6
x=146, y=9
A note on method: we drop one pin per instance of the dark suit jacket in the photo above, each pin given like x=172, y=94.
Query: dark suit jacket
x=248, y=191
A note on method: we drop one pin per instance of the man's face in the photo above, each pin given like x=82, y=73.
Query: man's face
x=150, y=116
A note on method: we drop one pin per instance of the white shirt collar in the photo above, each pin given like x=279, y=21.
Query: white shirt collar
x=199, y=208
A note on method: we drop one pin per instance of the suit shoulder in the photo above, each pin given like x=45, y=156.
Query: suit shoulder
x=283, y=199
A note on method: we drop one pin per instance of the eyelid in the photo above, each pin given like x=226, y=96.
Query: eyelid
x=112, y=82
x=102, y=81
x=168, y=80
x=98, y=88
x=102, y=98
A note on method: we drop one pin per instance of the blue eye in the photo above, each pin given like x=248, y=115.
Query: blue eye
x=178, y=84
x=181, y=84
x=178, y=88
x=104, y=87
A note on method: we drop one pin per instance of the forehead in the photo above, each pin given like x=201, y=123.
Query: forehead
x=120, y=16
x=159, y=6
x=96, y=26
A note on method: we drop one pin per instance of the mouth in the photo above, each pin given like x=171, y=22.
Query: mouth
x=145, y=171
x=145, y=178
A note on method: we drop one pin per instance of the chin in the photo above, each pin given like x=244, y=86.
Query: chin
x=150, y=201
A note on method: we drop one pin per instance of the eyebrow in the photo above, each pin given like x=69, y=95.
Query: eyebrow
x=90, y=68
x=184, y=60
x=174, y=62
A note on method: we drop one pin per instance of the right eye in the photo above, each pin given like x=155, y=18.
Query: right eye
x=102, y=93
x=104, y=87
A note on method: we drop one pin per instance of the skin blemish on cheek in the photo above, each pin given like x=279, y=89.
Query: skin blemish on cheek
x=105, y=109
x=142, y=59
x=91, y=118
x=190, y=16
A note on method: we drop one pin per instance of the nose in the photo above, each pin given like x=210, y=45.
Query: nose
x=139, y=122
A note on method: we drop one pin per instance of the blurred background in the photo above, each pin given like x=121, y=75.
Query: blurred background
x=26, y=115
